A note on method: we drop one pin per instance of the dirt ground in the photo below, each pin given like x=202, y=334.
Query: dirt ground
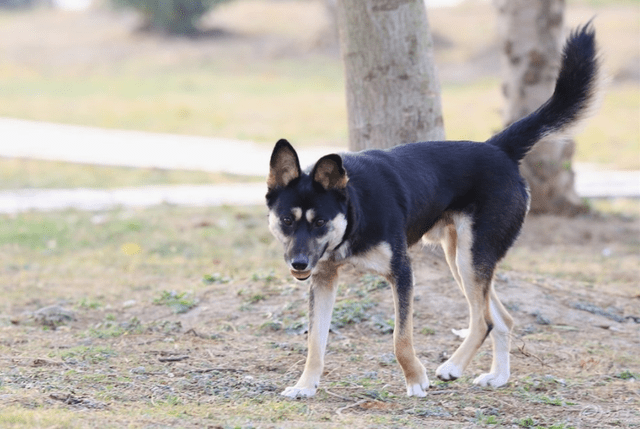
x=221, y=358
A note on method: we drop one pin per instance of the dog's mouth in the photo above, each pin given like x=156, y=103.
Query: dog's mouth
x=301, y=275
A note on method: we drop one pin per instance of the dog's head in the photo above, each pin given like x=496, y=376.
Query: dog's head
x=307, y=211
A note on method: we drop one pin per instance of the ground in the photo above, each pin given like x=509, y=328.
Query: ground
x=122, y=319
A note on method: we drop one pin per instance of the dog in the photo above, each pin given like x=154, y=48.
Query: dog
x=367, y=208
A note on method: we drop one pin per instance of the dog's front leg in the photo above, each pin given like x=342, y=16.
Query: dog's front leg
x=322, y=295
x=415, y=373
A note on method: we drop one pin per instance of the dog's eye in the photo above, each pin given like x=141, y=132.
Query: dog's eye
x=287, y=221
x=320, y=222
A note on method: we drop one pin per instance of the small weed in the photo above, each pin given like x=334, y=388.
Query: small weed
x=215, y=278
x=387, y=359
x=549, y=400
x=110, y=329
x=173, y=400
x=87, y=304
x=271, y=325
x=385, y=326
x=266, y=278
x=541, y=384
x=430, y=412
x=350, y=311
x=628, y=375
x=87, y=354
x=373, y=282
x=487, y=419
x=427, y=331
x=297, y=326
x=491, y=420
x=178, y=302
x=164, y=327
x=254, y=299
x=378, y=395
x=527, y=422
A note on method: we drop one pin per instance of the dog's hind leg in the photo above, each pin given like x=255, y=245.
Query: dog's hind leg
x=449, y=244
x=501, y=339
x=322, y=295
x=415, y=373
x=477, y=292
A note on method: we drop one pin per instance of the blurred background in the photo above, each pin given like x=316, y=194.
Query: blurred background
x=259, y=70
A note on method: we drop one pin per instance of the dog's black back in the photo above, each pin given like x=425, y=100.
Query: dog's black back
x=428, y=180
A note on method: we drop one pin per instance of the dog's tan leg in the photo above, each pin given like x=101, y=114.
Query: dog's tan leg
x=501, y=339
x=322, y=295
x=449, y=244
x=415, y=373
x=476, y=291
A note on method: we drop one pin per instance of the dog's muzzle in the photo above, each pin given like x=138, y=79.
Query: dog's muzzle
x=301, y=275
x=300, y=267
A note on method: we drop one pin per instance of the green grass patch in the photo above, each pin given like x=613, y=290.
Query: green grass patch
x=351, y=311
x=89, y=354
x=112, y=329
x=114, y=247
x=13, y=416
x=179, y=302
x=628, y=375
x=205, y=99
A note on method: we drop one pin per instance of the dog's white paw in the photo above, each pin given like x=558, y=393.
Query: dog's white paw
x=448, y=371
x=462, y=333
x=298, y=392
x=491, y=380
x=418, y=389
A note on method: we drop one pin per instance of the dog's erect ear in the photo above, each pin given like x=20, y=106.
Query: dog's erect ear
x=330, y=173
x=284, y=165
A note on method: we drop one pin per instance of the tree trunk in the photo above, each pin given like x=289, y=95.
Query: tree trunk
x=531, y=33
x=393, y=94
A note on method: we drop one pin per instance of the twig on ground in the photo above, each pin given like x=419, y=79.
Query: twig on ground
x=293, y=366
x=439, y=392
x=355, y=404
x=205, y=370
x=230, y=325
x=336, y=395
x=173, y=358
x=529, y=354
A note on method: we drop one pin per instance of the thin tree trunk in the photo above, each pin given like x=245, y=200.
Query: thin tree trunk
x=531, y=32
x=393, y=94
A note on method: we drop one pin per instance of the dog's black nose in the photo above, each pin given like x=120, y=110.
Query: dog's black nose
x=300, y=263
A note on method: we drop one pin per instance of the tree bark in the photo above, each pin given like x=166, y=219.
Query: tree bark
x=393, y=94
x=531, y=33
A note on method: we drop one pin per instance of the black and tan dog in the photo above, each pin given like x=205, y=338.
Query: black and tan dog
x=367, y=208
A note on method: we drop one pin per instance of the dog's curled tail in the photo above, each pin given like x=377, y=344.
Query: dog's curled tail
x=573, y=99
